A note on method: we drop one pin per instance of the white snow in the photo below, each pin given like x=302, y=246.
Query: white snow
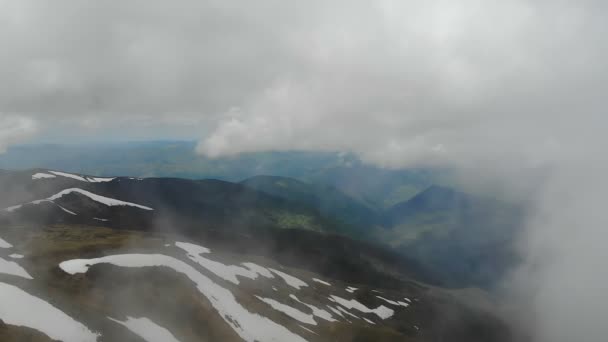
x=321, y=281
x=290, y=280
x=351, y=289
x=16, y=256
x=323, y=314
x=289, y=311
x=100, y=179
x=305, y=328
x=381, y=311
x=22, y=309
x=4, y=244
x=407, y=299
x=397, y=303
x=13, y=268
x=100, y=219
x=13, y=208
x=368, y=321
x=346, y=312
x=336, y=311
x=68, y=175
x=192, y=249
x=64, y=209
x=249, y=326
x=73, y=176
x=41, y=175
x=226, y=272
x=110, y=202
x=146, y=329
x=263, y=271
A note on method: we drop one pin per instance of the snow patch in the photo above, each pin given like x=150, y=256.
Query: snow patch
x=13, y=268
x=110, y=202
x=381, y=311
x=336, y=311
x=54, y=174
x=346, y=312
x=68, y=175
x=13, y=208
x=289, y=311
x=396, y=303
x=263, y=271
x=146, y=329
x=67, y=211
x=4, y=244
x=192, y=249
x=290, y=280
x=249, y=326
x=100, y=179
x=226, y=272
x=368, y=321
x=351, y=289
x=16, y=256
x=22, y=309
x=310, y=331
x=42, y=175
x=321, y=281
x=315, y=310
x=100, y=219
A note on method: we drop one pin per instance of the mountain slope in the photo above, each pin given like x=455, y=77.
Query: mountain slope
x=105, y=279
x=329, y=201
x=376, y=187
x=467, y=239
x=185, y=203
x=205, y=261
x=461, y=240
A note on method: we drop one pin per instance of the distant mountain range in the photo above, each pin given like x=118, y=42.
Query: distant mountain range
x=266, y=259
x=375, y=187
x=457, y=239
x=464, y=239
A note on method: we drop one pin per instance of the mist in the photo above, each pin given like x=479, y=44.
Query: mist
x=511, y=93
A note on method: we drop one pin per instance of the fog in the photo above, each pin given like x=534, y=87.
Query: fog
x=497, y=89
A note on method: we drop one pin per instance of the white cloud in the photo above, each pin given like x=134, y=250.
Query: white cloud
x=15, y=129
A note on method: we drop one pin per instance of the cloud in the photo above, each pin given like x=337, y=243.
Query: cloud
x=15, y=129
x=390, y=80
x=393, y=81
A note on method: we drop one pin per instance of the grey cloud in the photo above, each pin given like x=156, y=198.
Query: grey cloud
x=15, y=129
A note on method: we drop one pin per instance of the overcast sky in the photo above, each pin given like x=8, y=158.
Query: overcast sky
x=399, y=82
x=481, y=84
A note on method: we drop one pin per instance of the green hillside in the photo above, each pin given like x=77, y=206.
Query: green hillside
x=327, y=200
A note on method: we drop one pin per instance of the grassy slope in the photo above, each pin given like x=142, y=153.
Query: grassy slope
x=327, y=200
